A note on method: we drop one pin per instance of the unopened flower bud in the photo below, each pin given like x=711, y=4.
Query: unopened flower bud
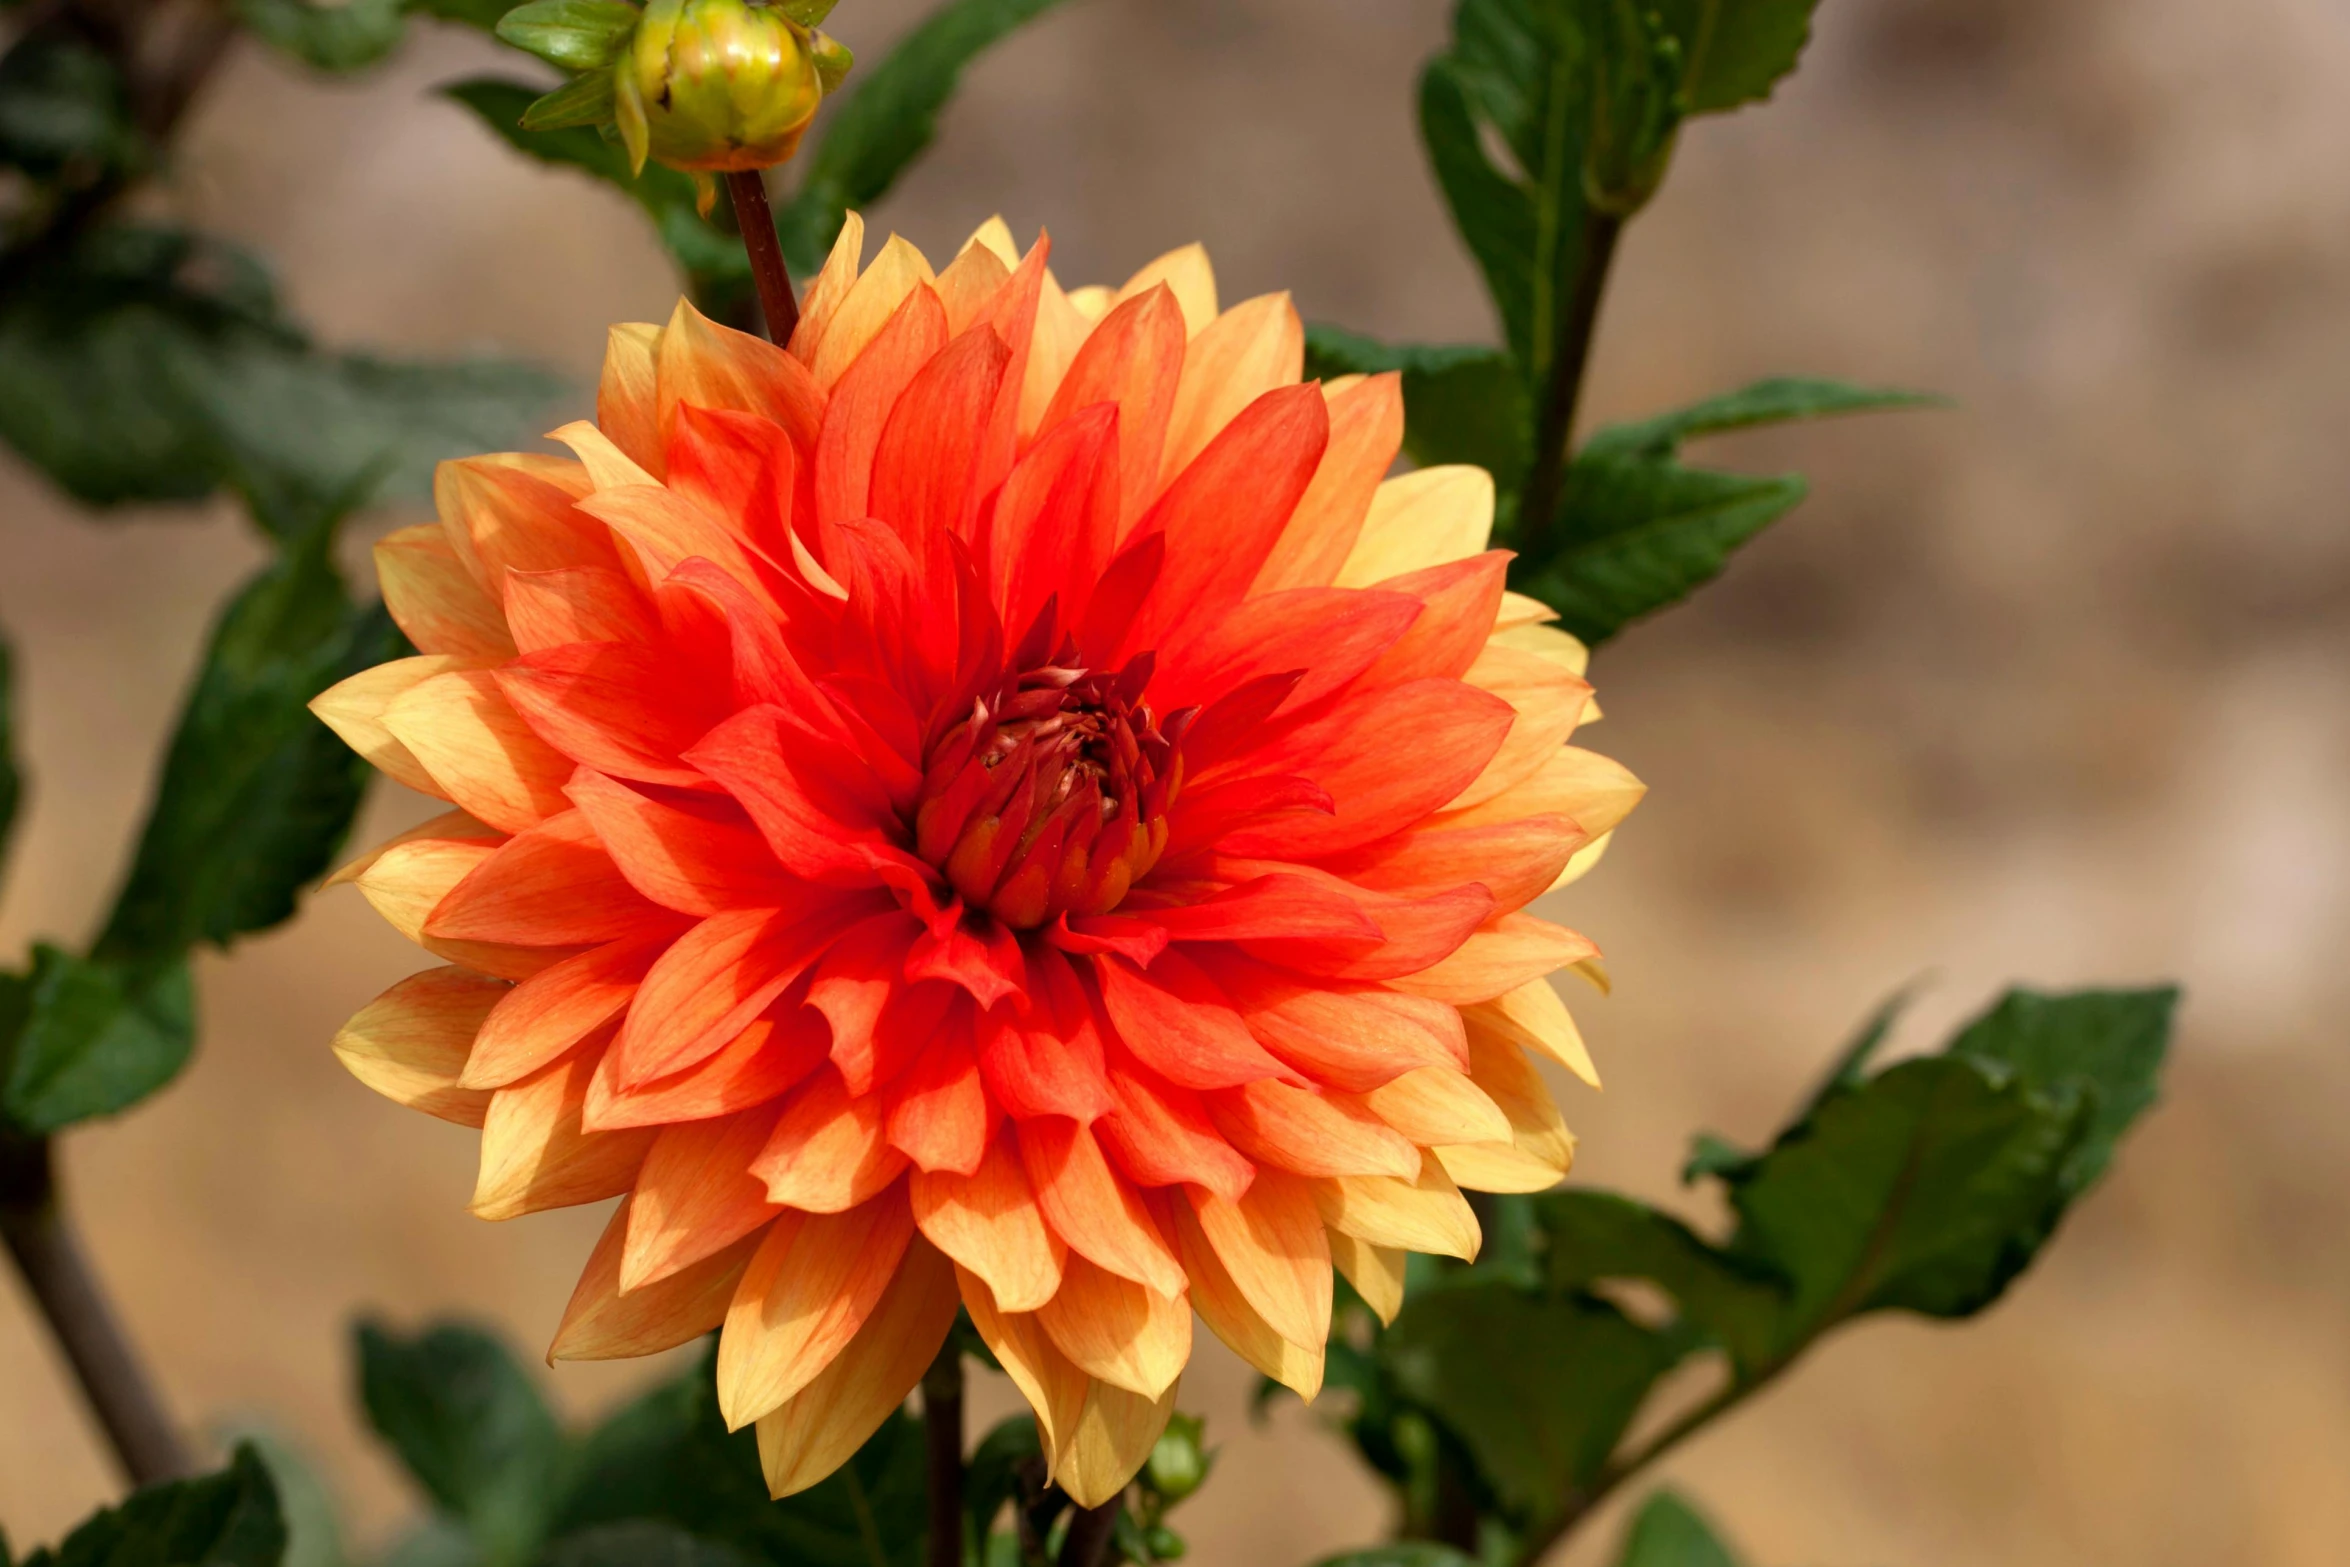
x=1178, y=1463
x=719, y=86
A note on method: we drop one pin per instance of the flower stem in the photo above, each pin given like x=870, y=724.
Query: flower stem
x=1538, y=506
x=942, y=1428
x=58, y=1275
x=777, y=302
x=1090, y=1529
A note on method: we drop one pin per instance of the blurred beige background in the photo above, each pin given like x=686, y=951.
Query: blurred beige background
x=2055, y=686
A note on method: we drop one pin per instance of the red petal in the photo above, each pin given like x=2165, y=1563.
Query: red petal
x=1366, y=431
x=939, y=1115
x=739, y=467
x=1050, y=1061
x=924, y=468
x=717, y=977
x=813, y=820
x=1160, y=1135
x=860, y=410
x=1180, y=1025
x=1134, y=359
x=693, y=853
x=1288, y=907
x=761, y=1063
x=613, y=706
x=828, y=1153
x=1462, y=600
x=1329, y=635
x=549, y=886
x=1055, y=521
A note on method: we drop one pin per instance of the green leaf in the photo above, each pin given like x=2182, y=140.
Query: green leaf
x=1668, y=1532
x=256, y=795
x=889, y=120
x=156, y=365
x=994, y=1477
x=642, y=1543
x=2108, y=1043
x=96, y=1038
x=1405, y=1553
x=63, y=108
x=1461, y=405
x=582, y=101
x=1638, y=530
x=471, y=1428
x=1735, y=51
x=1596, y=1236
x=314, y=1534
x=1512, y=83
x=349, y=35
x=668, y=1457
x=577, y=35
x=228, y=1519
x=11, y=775
x=1538, y=1390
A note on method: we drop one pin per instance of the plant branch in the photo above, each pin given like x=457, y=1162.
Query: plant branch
x=66, y=1290
x=1538, y=507
x=756, y=219
x=1090, y=1530
x=942, y=1429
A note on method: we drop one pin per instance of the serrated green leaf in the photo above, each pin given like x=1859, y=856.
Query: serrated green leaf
x=2111, y=1043
x=1668, y=1532
x=96, y=1038
x=469, y=1425
x=256, y=796
x=889, y=119
x=1596, y=1236
x=1777, y=400
x=11, y=773
x=641, y=1543
x=1538, y=1390
x=1461, y=405
x=228, y=1519
x=582, y=101
x=577, y=35
x=349, y=35
x=1735, y=51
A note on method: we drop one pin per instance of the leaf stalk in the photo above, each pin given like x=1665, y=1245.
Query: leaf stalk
x=1538, y=507
x=777, y=302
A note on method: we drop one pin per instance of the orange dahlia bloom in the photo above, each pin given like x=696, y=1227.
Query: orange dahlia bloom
x=1002, y=803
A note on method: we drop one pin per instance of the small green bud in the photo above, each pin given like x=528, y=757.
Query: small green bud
x=1165, y=1544
x=1178, y=1464
x=718, y=86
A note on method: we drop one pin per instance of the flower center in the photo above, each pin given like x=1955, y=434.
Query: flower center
x=1051, y=797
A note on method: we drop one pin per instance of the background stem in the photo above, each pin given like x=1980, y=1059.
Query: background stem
x=1538, y=507
x=67, y=1292
x=1090, y=1529
x=777, y=302
x=942, y=1429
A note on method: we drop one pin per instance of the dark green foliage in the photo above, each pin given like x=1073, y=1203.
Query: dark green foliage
x=1461, y=405
x=1734, y=52
x=1639, y=530
x=471, y=1429
x=228, y=1519
x=1667, y=1532
x=256, y=794
x=347, y=36
x=63, y=111
x=91, y=1036
x=642, y=1544
x=147, y=364
x=888, y=120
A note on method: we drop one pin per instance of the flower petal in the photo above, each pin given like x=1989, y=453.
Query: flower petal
x=989, y=1222
x=1422, y=519
x=410, y=1043
x=1272, y=1244
x=829, y=1152
x=1117, y=1330
x=551, y=885
x=814, y=1281
x=435, y=599
x=479, y=751
x=1425, y=1214
x=535, y=1154
x=695, y=1197
x=1048, y=1379
x=553, y=1010
x=1093, y=1208
x=606, y=1322
x=1311, y=1133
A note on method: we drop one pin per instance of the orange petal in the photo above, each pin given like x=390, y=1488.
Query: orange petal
x=807, y=1439
x=1271, y=1242
x=1539, y=1148
x=626, y=394
x=410, y=1043
x=435, y=599
x=1134, y=359
x=553, y=1010
x=1311, y=1133
x=766, y=1060
x=866, y=309
x=968, y=286
x=452, y=826
x=551, y=885
x=695, y=1196
x=1112, y=1437
x=1349, y=1037
x=1376, y=1272
x=1189, y=276
x=604, y=1322
x=1249, y=350
x=1534, y=1017
x=1048, y=1379
x=706, y=988
x=830, y=287
x=1421, y=519
x=666, y=530
x=556, y=608
x=1117, y=1330
x=1059, y=334
x=1427, y=1214
x=354, y=709
x=1510, y=950
x=1093, y=1208
x=1458, y=603
x=1549, y=704
x=925, y=466
x=828, y=1152
x=861, y=406
x=478, y=750
x=1435, y=1104
x=1230, y=1315
x=1366, y=431
x=939, y=1116
x=513, y=512
x=694, y=863
x=715, y=367
x=989, y=1222
x=534, y=1154
x=1596, y=791
x=406, y=881
x=811, y=1286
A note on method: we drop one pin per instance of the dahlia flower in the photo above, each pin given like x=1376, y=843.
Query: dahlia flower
x=1001, y=803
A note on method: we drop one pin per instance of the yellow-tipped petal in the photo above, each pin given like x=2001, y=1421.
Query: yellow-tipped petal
x=1436, y=1104
x=1271, y=1243
x=1113, y=1437
x=1534, y=1017
x=1061, y=330
x=409, y=1044
x=1117, y=1330
x=1191, y=277
x=1048, y=1379
x=807, y=1294
x=989, y=1222
x=870, y=302
x=534, y=1154
x=608, y=467
x=832, y=285
x=1544, y=641
x=1249, y=350
x=1376, y=1272
x=478, y=750
x=354, y=708
x=1428, y=518
x=434, y=598
x=626, y=409
x=1428, y=1214
x=803, y=1442
x=453, y=826
x=970, y=284
x=996, y=235
x=1092, y=302
x=1226, y=1310
x=603, y=1322
x=1501, y=1069
x=1519, y=610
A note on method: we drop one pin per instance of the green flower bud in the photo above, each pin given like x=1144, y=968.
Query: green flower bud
x=719, y=86
x=1178, y=1464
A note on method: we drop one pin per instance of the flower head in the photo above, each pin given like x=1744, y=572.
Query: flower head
x=1002, y=803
